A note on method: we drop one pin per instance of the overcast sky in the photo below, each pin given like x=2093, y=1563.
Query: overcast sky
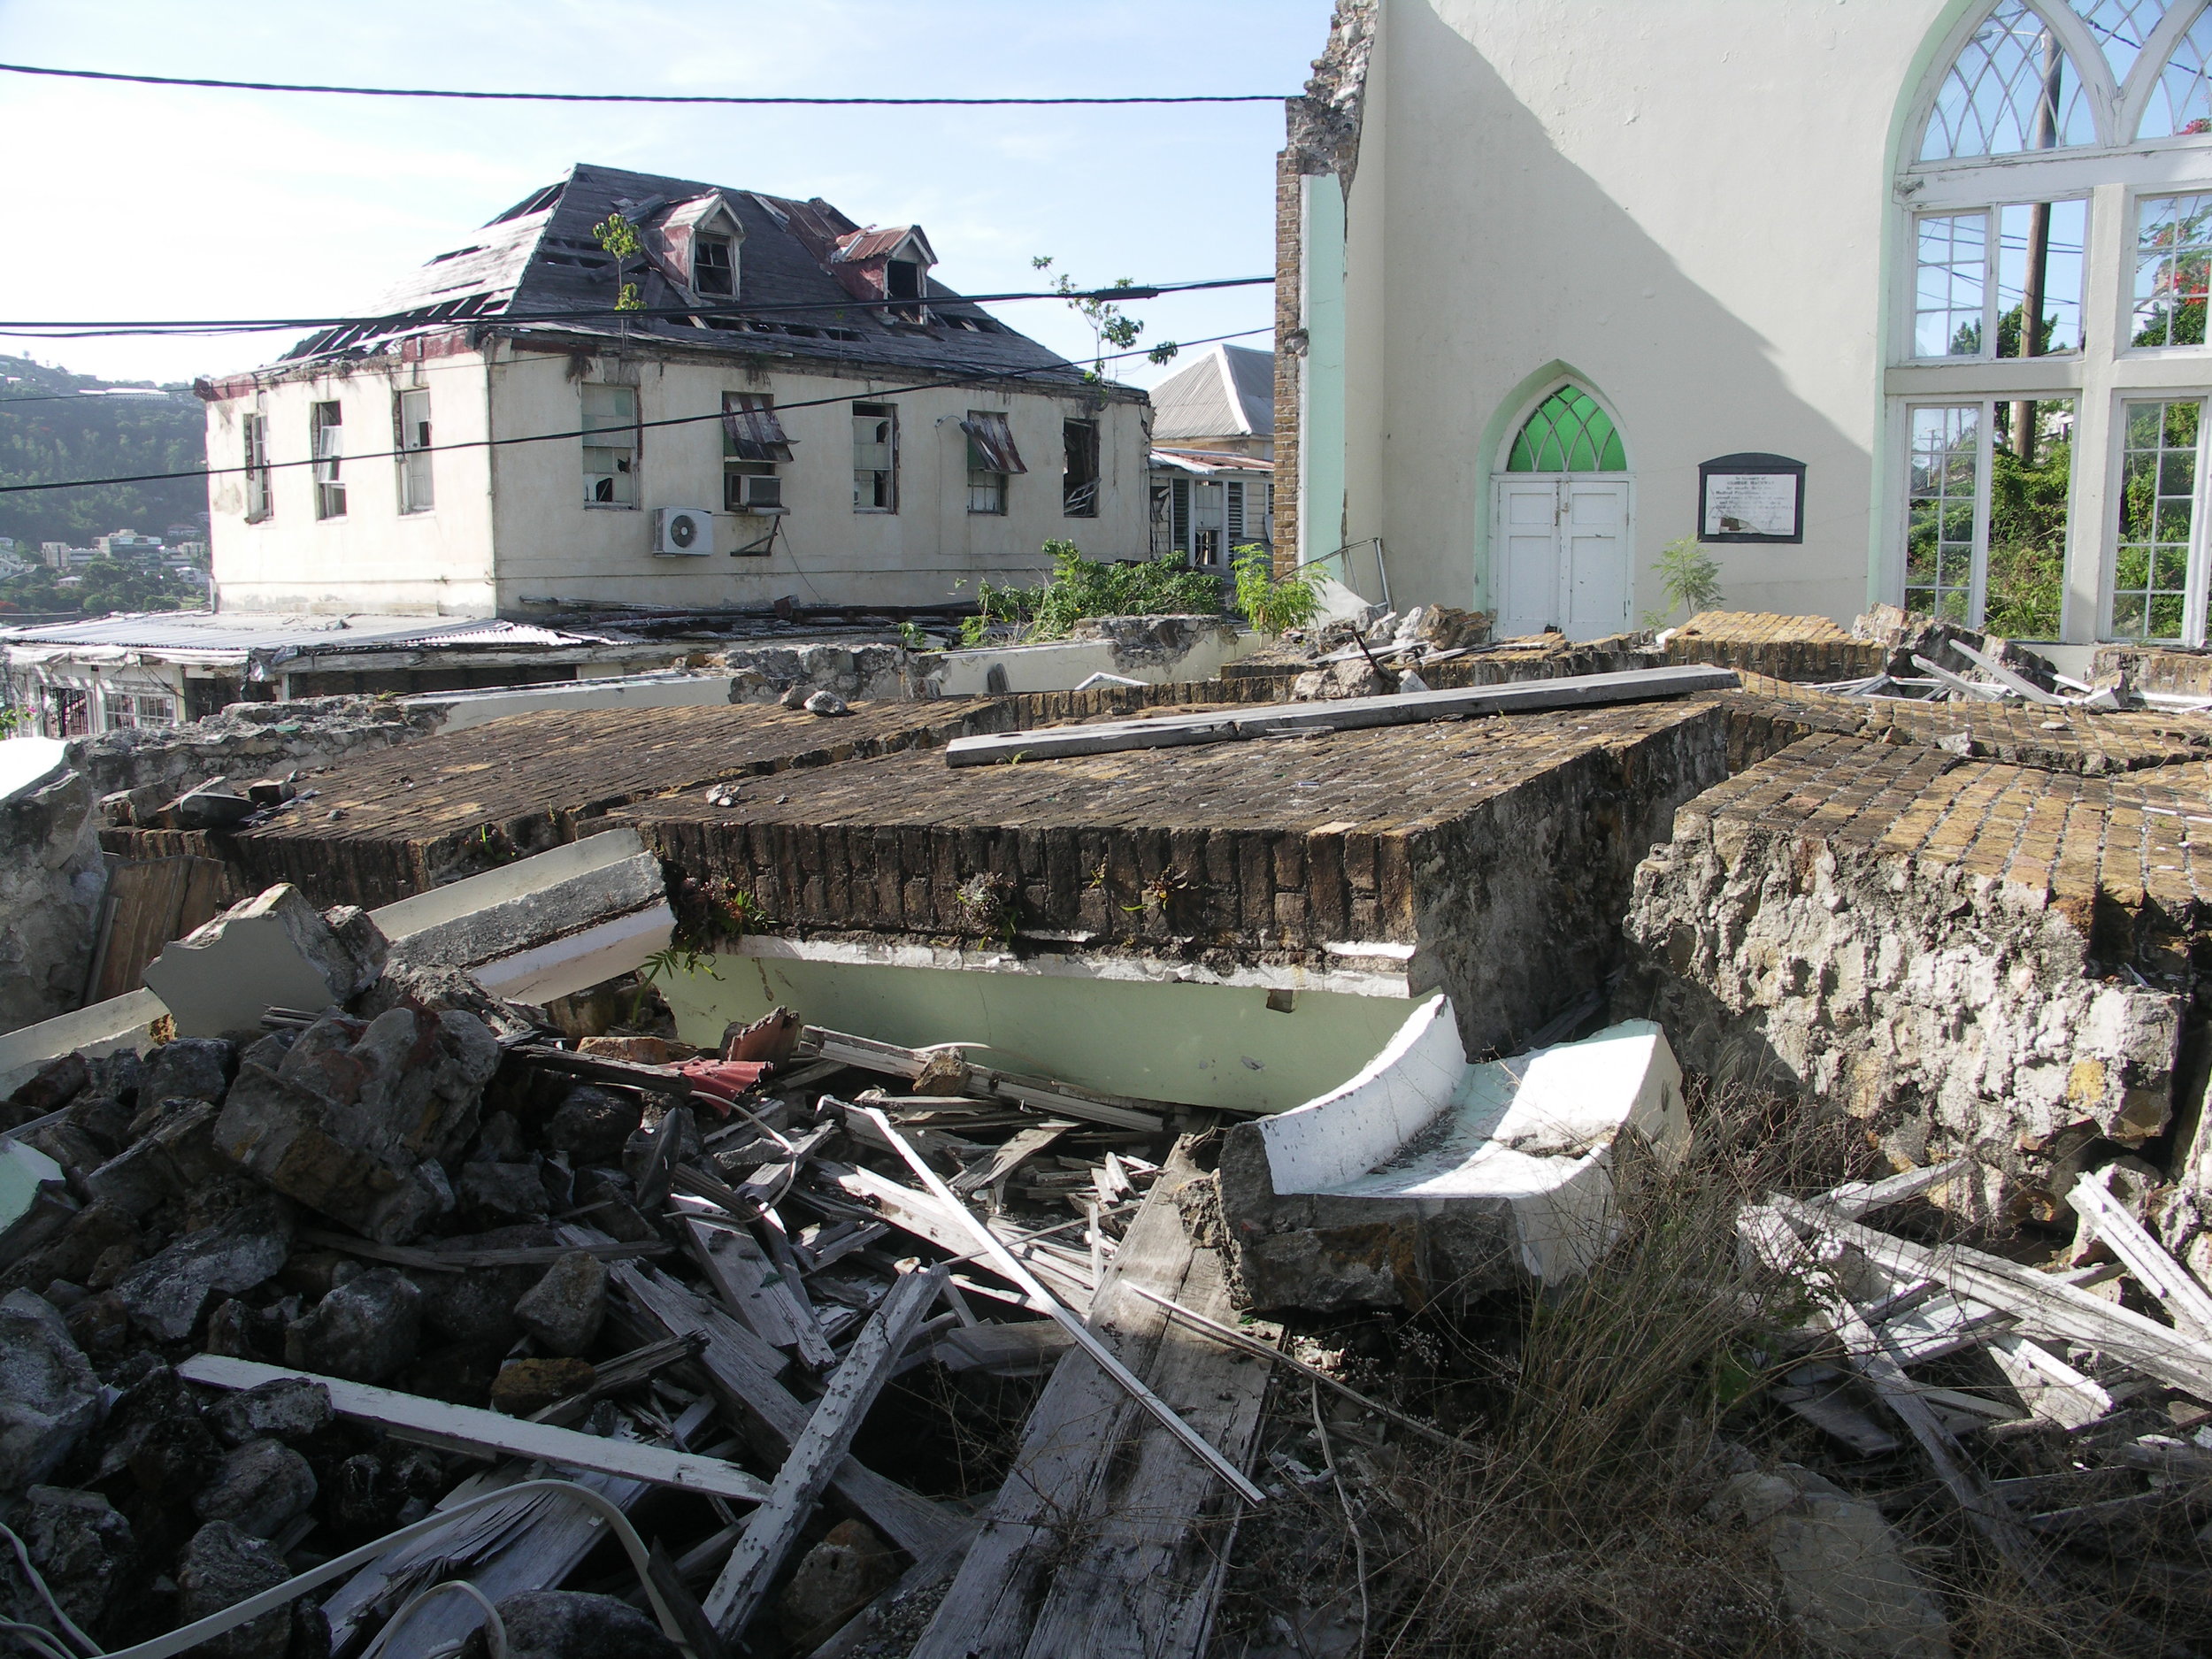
x=143, y=201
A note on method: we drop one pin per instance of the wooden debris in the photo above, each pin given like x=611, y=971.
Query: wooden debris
x=1108, y=1538
x=807, y=1468
x=1041, y=1299
x=2127, y=1238
x=468, y=1429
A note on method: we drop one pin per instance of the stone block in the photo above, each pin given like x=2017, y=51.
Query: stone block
x=49, y=1395
x=275, y=949
x=354, y=1117
x=166, y=1294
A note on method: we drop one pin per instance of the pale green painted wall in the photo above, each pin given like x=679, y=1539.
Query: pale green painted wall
x=1199, y=1045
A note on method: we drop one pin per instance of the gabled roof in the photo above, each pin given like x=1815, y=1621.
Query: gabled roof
x=539, y=259
x=1230, y=392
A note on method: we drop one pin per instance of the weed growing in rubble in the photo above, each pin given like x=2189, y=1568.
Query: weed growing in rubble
x=1690, y=578
x=666, y=965
x=1274, y=604
x=1080, y=588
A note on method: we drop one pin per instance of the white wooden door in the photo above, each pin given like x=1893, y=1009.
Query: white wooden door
x=1524, y=555
x=1560, y=552
x=1593, y=526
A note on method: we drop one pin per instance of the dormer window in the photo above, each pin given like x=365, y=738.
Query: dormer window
x=902, y=280
x=712, y=269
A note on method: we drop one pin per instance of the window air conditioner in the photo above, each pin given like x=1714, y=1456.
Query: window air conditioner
x=757, y=493
x=686, y=531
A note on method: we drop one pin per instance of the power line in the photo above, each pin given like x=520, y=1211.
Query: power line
x=57, y=329
x=554, y=437
x=616, y=97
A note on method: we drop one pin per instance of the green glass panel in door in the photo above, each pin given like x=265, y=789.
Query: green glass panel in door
x=1568, y=432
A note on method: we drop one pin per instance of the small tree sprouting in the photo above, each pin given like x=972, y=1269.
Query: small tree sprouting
x=1690, y=578
x=1109, y=325
x=618, y=236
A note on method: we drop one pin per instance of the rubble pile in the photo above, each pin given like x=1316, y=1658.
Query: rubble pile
x=272, y=1295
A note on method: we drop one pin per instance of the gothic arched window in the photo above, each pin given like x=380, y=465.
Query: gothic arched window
x=2059, y=152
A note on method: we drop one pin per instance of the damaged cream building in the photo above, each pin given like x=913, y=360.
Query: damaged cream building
x=794, y=410
x=1561, y=283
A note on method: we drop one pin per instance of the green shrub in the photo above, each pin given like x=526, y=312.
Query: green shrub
x=1690, y=578
x=1080, y=588
x=1274, y=604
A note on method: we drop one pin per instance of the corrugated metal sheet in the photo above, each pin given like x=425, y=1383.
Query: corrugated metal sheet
x=1230, y=392
x=159, y=631
x=1204, y=460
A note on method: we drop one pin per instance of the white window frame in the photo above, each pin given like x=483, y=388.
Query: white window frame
x=254, y=436
x=410, y=447
x=889, y=471
x=2115, y=172
x=2197, y=587
x=620, y=471
x=327, y=444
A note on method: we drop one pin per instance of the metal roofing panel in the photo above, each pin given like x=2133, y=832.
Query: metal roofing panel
x=204, y=631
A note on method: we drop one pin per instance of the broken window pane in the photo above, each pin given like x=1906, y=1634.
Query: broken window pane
x=609, y=446
x=712, y=269
x=1078, y=476
x=1939, y=533
x=411, y=417
x=328, y=432
x=875, y=458
x=255, y=429
x=991, y=458
x=2039, y=268
x=1947, y=301
x=2173, y=253
x=2031, y=476
x=2158, y=486
x=2012, y=89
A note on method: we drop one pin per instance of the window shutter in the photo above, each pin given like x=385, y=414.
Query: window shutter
x=1182, y=515
x=1236, y=512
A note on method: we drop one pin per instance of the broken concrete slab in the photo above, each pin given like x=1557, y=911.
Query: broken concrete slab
x=545, y=926
x=274, y=949
x=1348, y=714
x=96, y=1029
x=1426, y=1175
x=1843, y=1567
x=354, y=1117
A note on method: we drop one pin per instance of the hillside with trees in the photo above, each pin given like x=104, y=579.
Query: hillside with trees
x=55, y=425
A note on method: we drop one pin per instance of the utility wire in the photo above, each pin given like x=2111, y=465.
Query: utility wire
x=615, y=98
x=52, y=329
x=553, y=437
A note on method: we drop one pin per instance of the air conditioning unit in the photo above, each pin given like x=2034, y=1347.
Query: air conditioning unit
x=686, y=531
x=757, y=493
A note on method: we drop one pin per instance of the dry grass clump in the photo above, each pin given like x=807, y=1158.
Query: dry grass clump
x=1598, y=1420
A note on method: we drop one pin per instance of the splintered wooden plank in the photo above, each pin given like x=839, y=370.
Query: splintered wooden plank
x=2127, y=1238
x=1108, y=1539
x=739, y=1271
x=766, y=1542
x=744, y=1373
x=471, y=1429
x=1018, y=1151
x=1067, y=1276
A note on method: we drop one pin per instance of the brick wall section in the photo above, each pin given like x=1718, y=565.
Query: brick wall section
x=2056, y=739
x=450, y=806
x=1503, y=849
x=1969, y=956
x=1808, y=648
x=1289, y=266
x=2156, y=668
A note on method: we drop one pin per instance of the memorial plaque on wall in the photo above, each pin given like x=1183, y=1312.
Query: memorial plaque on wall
x=1751, y=498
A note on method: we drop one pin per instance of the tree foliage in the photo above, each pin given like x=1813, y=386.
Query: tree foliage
x=63, y=435
x=1080, y=588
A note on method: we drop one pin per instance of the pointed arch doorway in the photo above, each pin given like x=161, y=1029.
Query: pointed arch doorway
x=1560, y=522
